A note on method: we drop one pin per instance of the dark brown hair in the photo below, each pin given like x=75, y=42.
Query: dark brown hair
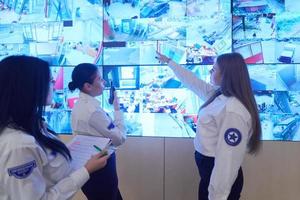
x=82, y=73
x=236, y=82
x=24, y=87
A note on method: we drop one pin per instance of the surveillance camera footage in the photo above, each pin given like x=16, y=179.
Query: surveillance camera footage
x=122, y=37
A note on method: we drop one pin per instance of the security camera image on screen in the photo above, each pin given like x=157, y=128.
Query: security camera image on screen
x=121, y=77
x=122, y=38
x=280, y=77
x=58, y=114
x=266, y=31
x=279, y=114
x=60, y=32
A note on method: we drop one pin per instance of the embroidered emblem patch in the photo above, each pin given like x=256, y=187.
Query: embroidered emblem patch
x=22, y=171
x=232, y=136
x=111, y=126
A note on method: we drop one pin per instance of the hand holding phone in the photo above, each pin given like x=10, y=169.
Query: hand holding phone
x=111, y=93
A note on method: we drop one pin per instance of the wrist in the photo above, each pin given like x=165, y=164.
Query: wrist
x=116, y=108
x=168, y=61
x=88, y=169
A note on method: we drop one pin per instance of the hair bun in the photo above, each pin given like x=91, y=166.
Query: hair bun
x=72, y=86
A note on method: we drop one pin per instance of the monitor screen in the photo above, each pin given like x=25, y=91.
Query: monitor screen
x=122, y=38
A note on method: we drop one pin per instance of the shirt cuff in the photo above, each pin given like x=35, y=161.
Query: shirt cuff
x=80, y=176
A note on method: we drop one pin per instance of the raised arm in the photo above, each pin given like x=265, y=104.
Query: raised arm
x=188, y=78
x=113, y=129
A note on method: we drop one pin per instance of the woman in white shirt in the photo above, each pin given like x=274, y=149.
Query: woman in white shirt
x=89, y=118
x=228, y=124
x=34, y=163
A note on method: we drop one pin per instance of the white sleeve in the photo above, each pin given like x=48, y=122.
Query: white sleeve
x=24, y=179
x=230, y=152
x=115, y=130
x=191, y=81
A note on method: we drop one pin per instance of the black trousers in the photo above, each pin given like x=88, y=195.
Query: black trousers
x=205, y=166
x=103, y=184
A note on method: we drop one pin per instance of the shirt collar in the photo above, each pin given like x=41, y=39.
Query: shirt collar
x=87, y=98
x=222, y=97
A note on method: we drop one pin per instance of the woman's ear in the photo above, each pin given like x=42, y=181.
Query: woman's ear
x=86, y=88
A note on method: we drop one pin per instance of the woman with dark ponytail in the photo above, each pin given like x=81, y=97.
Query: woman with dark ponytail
x=34, y=163
x=228, y=125
x=88, y=118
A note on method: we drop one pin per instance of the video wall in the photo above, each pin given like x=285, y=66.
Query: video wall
x=122, y=36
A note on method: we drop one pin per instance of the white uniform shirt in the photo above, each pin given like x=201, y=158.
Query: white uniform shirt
x=27, y=172
x=89, y=118
x=223, y=131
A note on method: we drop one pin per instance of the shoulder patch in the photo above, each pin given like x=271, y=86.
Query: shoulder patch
x=22, y=171
x=232, y=136
x=111, y=126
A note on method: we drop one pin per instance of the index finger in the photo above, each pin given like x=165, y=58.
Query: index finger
x=159, y=53
x=102, y=155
